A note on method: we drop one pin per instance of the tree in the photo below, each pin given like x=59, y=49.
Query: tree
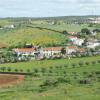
x=63, y=51
x=81, y=64
x=16, y=70
x=3, y=68
x=9, y=69
x=98, y=61
x=74, y=65
x=87, y=63
x=43, y=70
x=86, y=31
x=65, y=32
x=93, y=62
x=28, y=70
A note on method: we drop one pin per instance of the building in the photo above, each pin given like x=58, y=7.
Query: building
x=78, y=42
x=9, y=26
x=72, y=33
x=71, y=49
x=72, y=38
x=51, y=51
x=25, y=51
x=92, y=43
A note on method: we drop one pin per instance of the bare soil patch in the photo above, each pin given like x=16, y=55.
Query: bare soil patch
x=10, y=79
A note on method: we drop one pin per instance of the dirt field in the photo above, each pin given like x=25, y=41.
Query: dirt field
x=10, y=79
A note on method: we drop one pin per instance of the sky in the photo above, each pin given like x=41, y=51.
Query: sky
x=48, y=8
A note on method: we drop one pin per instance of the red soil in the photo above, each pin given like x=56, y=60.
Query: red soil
x=10, y=79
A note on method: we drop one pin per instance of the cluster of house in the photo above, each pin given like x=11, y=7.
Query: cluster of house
x=76, y=41
x=91, y=42
x=47, y=52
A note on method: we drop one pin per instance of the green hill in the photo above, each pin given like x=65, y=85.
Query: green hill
x=31, y=35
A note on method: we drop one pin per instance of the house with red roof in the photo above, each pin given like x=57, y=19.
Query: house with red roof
x=51, y=51
x=72, y=33
x=25, y=51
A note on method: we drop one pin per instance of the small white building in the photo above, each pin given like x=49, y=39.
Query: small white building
x=78, y=42
x=72, y=38
x=71, y=49
x=93, y=45
x=9, y=26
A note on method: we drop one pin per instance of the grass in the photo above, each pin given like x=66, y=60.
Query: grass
x=30, y=35
x=48, y=63
x=29, y=88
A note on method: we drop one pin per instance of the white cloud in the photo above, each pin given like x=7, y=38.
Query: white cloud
x=38, y=8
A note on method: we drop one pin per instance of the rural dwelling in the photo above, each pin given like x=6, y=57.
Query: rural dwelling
x=82, y=50
x=71, y=49
x=51, y=51
x=72, y=33
x=72, y=38
x=93, y=43
x=9, y=26
x=78, y=42
x=25, y=51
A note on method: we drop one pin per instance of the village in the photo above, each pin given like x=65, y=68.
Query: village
x=76, y=47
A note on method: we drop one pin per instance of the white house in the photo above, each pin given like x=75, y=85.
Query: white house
x=93, y=45
x=9, y=26
x=71, y=49
x=51, y=51
x=78, y=42
x=72, y=38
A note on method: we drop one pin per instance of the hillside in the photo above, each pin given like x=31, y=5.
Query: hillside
x=31, y=35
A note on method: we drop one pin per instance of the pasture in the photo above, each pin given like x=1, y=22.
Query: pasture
x=41, y=85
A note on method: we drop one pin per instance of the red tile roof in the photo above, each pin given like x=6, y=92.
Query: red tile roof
x=53, y=49
x=24, y=49
x=72, y=37
x=72, y=47
x=82, y=50
x=72, y=33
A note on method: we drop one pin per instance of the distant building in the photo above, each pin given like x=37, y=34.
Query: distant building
x=71, y=49
x=9, y=26
x=72, y=38
x=94, y=20
x=78, y=42
x=92, y=43
x=72, y=33
x=25, y=51
x=51, y=51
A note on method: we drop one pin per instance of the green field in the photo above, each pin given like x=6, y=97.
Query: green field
x=57, y=79
x=30, y=88
x=22, y=34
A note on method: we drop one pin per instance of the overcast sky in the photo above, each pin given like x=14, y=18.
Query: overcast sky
x=45, y=8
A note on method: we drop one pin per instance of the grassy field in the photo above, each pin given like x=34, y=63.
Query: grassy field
x=49, y=63
x=30, y=88
x=61, y=71
x=22, y=34
x=30, y=35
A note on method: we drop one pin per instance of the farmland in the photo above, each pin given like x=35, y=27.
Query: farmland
x=22, y=34
x=77, y=78
x=61, y=71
